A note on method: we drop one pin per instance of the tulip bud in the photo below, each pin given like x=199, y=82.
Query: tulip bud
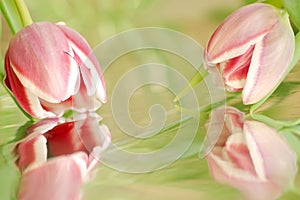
x=75, y=148
x=46, y=65
x=252, y=157
x=252, y=49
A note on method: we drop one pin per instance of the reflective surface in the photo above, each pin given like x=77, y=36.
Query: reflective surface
x=149, y=105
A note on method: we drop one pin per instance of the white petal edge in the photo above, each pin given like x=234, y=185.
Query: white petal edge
x=254, y=151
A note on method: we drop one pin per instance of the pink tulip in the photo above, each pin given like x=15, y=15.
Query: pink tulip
x=252, y=157
x=252, y=49
x=75, y=148
x=46, y=65
x=59, y=178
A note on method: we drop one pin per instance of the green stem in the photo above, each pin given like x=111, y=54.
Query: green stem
x=16, y=14
x=24, y=13
x=277, y=124
x=11, y=15
x=197, y=78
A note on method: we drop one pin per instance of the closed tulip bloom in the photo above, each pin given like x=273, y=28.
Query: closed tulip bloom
x=253, y=158
x=47, y=64
x=75, y=149
x=252, y=49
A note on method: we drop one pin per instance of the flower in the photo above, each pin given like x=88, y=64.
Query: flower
x=82, y=134
x=252, y=49
x=47, y=64
x=60, y=178
x=74, y=148
x=252, y=157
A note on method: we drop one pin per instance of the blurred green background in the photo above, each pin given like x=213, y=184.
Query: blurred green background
x=98, y=20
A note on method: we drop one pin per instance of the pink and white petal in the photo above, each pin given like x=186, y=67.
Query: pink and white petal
x=82, y=102
x=270, y=61
x=243, y=28
x=83, y=134
x=92, y=134
x=236, y=69
x=234, y=120
x=253, y=188
x=271, y=153
x=238, y=153
x=57, y=108
x=60, y=178
x=88, y=61
x=45, y=67
x=27, y=100
x=32, y=152
x=64, y=139
x=225, y=171
x=40, y=128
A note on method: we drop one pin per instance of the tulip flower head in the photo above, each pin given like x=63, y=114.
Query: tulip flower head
x=252, y=49
x=47, y=64
x=75, y=148
x=252, y=157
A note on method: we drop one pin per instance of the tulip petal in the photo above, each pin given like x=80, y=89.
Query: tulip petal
x=42, y=53
x=82, y=102
x=236, y=69
x=89, y=66
x=255, y=189
x=57, y=108
x=224, y=170
x=80, y=135
x=41, y=127
x=60, y=178
x=270, y=60
x=239, y=31
x=32, y=152
x=237, y=151
x=29, y=102
x=279, y=161
x=92, y=134
x=62, y=140
x=234, y=119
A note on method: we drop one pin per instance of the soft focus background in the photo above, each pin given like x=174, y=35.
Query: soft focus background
x=98, y=20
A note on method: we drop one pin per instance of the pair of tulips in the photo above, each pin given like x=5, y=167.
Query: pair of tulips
x=50, y=69
x=47, y=64
x=252, y=49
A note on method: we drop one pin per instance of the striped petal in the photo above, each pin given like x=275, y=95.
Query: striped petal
x=238, y=153
x=89, y=66
x=253, y=188
x=32, y=152
x=82, y=102
x=28, y=101
x=236, y=69
x=279, y=164
x=38, y=55
x=270, y=61
x=60, y=178
x=80, y=135
x=239, y=31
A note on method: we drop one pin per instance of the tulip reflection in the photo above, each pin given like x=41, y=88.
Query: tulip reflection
x=57, y=157
x=252, y=157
